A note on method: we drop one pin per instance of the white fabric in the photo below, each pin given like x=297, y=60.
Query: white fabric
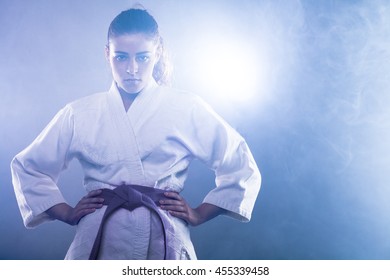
x=152, y=144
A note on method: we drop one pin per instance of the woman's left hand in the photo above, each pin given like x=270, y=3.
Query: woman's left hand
x=176, y=205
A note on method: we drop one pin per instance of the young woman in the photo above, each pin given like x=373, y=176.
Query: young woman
x=135, y=143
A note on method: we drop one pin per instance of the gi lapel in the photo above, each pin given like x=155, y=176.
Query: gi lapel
x=127, y=139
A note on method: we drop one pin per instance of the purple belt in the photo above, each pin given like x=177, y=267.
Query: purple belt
x=129, y=197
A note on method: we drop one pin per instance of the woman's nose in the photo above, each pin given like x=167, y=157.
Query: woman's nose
x=132, y=67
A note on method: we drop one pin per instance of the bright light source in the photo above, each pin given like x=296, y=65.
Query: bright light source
x=229, y=70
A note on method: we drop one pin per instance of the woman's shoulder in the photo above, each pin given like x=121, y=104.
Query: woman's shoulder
x=177, y=95
x=88, y=102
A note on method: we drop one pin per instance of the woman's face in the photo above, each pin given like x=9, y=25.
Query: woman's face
x=132, y=58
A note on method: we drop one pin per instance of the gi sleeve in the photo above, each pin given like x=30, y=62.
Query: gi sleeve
x=225, y=151
x=36, y=169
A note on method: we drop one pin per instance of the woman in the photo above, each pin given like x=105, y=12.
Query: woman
x=136, y=140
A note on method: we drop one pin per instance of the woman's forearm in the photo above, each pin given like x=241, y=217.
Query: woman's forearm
x=60, y=212
x=207, y=211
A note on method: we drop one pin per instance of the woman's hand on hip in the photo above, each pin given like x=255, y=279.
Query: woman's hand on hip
x=72, y=215
x=176, y=205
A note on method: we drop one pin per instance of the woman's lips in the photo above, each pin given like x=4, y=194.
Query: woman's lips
x=132, y=81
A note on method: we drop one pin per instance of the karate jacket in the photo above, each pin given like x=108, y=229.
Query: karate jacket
x=152, y=144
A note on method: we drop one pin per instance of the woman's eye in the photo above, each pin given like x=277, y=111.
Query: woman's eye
x=120, y=57
x=142, y=58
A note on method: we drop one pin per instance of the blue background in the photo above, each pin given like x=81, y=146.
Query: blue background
x=318, y=126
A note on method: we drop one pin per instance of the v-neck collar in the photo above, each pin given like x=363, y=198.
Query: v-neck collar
x=138, y=105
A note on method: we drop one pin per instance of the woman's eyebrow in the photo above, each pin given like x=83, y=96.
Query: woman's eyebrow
x=120, y=52
x=138, y=53
x=145, y=52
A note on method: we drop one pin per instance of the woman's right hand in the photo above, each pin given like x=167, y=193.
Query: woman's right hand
x=72, y=215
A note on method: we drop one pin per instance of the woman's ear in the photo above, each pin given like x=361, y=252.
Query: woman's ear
x=159, y=50
x=107, y=52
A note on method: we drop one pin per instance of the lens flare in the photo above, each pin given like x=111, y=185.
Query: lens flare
x=230, y=70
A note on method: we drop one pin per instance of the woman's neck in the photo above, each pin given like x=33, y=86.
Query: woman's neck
x=127, y=98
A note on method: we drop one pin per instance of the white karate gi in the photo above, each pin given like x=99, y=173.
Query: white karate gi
x=152, y=144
